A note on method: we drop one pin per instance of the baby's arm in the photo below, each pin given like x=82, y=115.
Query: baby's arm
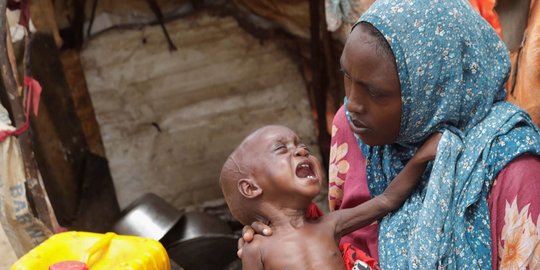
x=251, y=257
x=348, y=220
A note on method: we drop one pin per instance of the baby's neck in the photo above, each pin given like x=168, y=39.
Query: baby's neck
x=283, y=219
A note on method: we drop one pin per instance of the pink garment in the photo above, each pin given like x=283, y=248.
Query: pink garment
x=514, y=201
x=348, y=184
x=514, y=205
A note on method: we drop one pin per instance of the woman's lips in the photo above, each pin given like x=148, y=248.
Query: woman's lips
x=359, y=127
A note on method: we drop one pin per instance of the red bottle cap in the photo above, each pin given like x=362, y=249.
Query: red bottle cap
x=68, y=265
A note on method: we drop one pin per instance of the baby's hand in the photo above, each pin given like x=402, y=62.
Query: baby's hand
x=428, y=150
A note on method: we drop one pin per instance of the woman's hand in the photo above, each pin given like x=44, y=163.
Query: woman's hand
x=428, y=150
x=248, y=232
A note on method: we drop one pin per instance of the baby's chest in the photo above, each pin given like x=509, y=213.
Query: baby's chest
x=303, y=251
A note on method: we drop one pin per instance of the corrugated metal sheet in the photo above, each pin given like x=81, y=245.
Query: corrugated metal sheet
x=169, y=119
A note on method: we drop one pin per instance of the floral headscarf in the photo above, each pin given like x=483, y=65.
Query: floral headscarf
x=452, y=69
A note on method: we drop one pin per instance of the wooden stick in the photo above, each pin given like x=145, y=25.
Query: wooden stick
x=317, y=81
x=159, y=16
x=12, y=59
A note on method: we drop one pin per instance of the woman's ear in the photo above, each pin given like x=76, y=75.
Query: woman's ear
x=248, y=188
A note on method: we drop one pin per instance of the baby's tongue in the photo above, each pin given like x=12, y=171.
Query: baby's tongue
x=303, y=172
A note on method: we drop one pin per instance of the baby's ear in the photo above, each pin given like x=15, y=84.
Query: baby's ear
x=248, y=188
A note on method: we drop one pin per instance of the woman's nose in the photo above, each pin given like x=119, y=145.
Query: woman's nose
x=301, y=152
x=355, y=101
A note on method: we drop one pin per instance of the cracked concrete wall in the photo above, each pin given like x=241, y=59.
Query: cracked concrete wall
x=169, y=119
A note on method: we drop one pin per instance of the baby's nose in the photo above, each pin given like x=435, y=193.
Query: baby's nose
x=301, y=151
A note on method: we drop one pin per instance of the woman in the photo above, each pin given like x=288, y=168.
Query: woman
x=413, y=68
x=451, y=70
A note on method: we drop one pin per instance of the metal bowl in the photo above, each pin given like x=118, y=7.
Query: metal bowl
x=149, y=216
x=201, y=241
x=205, y=252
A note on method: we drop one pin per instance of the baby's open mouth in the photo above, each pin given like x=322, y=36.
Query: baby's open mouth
x=304, y=170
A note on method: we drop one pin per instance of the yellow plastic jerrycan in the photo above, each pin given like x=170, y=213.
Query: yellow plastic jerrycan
x=98, y=251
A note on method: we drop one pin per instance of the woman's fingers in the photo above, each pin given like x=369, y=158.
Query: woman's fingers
x=247, y=236
x=247, y=233
x=240, y=246
x=261, y=228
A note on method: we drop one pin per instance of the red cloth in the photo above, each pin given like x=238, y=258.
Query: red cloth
x=313, y=211
x=352, y=254
x=24, y=6
x=486, y=8
x=25, y=13
x=32, y=101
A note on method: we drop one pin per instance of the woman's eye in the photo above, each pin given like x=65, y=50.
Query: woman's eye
x=345, y=74
x=372, y=93
x=280, y=147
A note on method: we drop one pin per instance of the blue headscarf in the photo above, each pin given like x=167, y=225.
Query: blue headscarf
x=452, y=69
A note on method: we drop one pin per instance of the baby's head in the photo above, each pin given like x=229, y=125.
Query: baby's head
x=270, y=167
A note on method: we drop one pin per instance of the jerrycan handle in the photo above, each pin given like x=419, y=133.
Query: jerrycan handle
x=96, y=251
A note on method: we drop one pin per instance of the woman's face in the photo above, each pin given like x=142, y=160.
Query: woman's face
x=372, y=88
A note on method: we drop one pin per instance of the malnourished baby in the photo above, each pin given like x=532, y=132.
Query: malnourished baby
x=272, y=177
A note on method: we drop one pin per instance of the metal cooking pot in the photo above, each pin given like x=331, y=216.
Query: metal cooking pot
x=149, y=216
x=201, y=241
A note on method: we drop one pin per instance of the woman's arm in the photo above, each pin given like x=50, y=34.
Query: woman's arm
x=252, y=257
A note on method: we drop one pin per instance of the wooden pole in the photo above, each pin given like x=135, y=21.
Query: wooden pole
x=318, y=88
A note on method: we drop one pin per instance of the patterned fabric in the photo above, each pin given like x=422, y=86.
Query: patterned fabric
x=452, y=68
x=338, y=165
x=348, y=188
x=515, y=215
